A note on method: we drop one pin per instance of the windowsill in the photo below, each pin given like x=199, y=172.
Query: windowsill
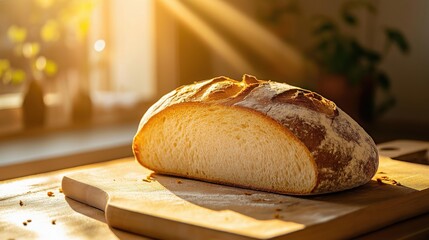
x=36, y=153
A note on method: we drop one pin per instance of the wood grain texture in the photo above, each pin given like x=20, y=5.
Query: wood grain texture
x=136, y=201
x=73, y=220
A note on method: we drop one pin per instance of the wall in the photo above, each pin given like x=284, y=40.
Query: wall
x=410, y=74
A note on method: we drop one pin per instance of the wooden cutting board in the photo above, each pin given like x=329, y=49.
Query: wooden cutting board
x=170, y=207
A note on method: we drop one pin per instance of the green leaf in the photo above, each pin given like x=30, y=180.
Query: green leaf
x=16, y=34
x=325, y=26
x=372, y=56
x=51, y=68
x=383, y=80
x=322, y=45
x=349, y=18
x=50, y=31
x=18, y=76
x=4, y=63
x=395, y=36
x=357, y=47
x=4, y=66
x=349, y=6
x=83, y=28
x=7, y=76
x=355, y=75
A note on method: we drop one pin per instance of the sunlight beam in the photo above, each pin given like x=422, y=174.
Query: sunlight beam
x=283, y=57
x=205, y=32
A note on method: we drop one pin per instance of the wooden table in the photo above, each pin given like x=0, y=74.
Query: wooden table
x=28, y=212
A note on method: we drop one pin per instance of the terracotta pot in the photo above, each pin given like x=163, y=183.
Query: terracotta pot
x=347, y=97
x=358, y=101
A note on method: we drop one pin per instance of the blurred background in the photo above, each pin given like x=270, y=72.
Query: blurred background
x=78, y=65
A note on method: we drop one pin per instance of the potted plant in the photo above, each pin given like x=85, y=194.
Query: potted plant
x=350, y=72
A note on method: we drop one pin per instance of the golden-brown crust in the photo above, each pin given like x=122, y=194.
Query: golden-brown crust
x=308, y=99
x=345, y=156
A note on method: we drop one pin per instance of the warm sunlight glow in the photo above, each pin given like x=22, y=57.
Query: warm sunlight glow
x=40, y=63
x=10, y=101
x=283, y=58
x=52, y=99
x=30, y=49
x=37, y=221
x=204, y=31
x=99, y=45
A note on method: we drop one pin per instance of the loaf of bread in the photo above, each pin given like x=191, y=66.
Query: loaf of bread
x=255, y=134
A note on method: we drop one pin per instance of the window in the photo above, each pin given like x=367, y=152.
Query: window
x=93, y=60
x=122, y=56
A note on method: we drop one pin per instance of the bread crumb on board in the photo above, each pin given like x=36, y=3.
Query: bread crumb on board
x=277, y=216
x=386, y=179
x=60, y=190
x=54, y=222
x=50, y=194
x=25, y=223
x=149, y=178
x=179, y=182
x=21, y=203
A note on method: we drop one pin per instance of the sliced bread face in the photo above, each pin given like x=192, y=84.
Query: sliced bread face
x=226, y=144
